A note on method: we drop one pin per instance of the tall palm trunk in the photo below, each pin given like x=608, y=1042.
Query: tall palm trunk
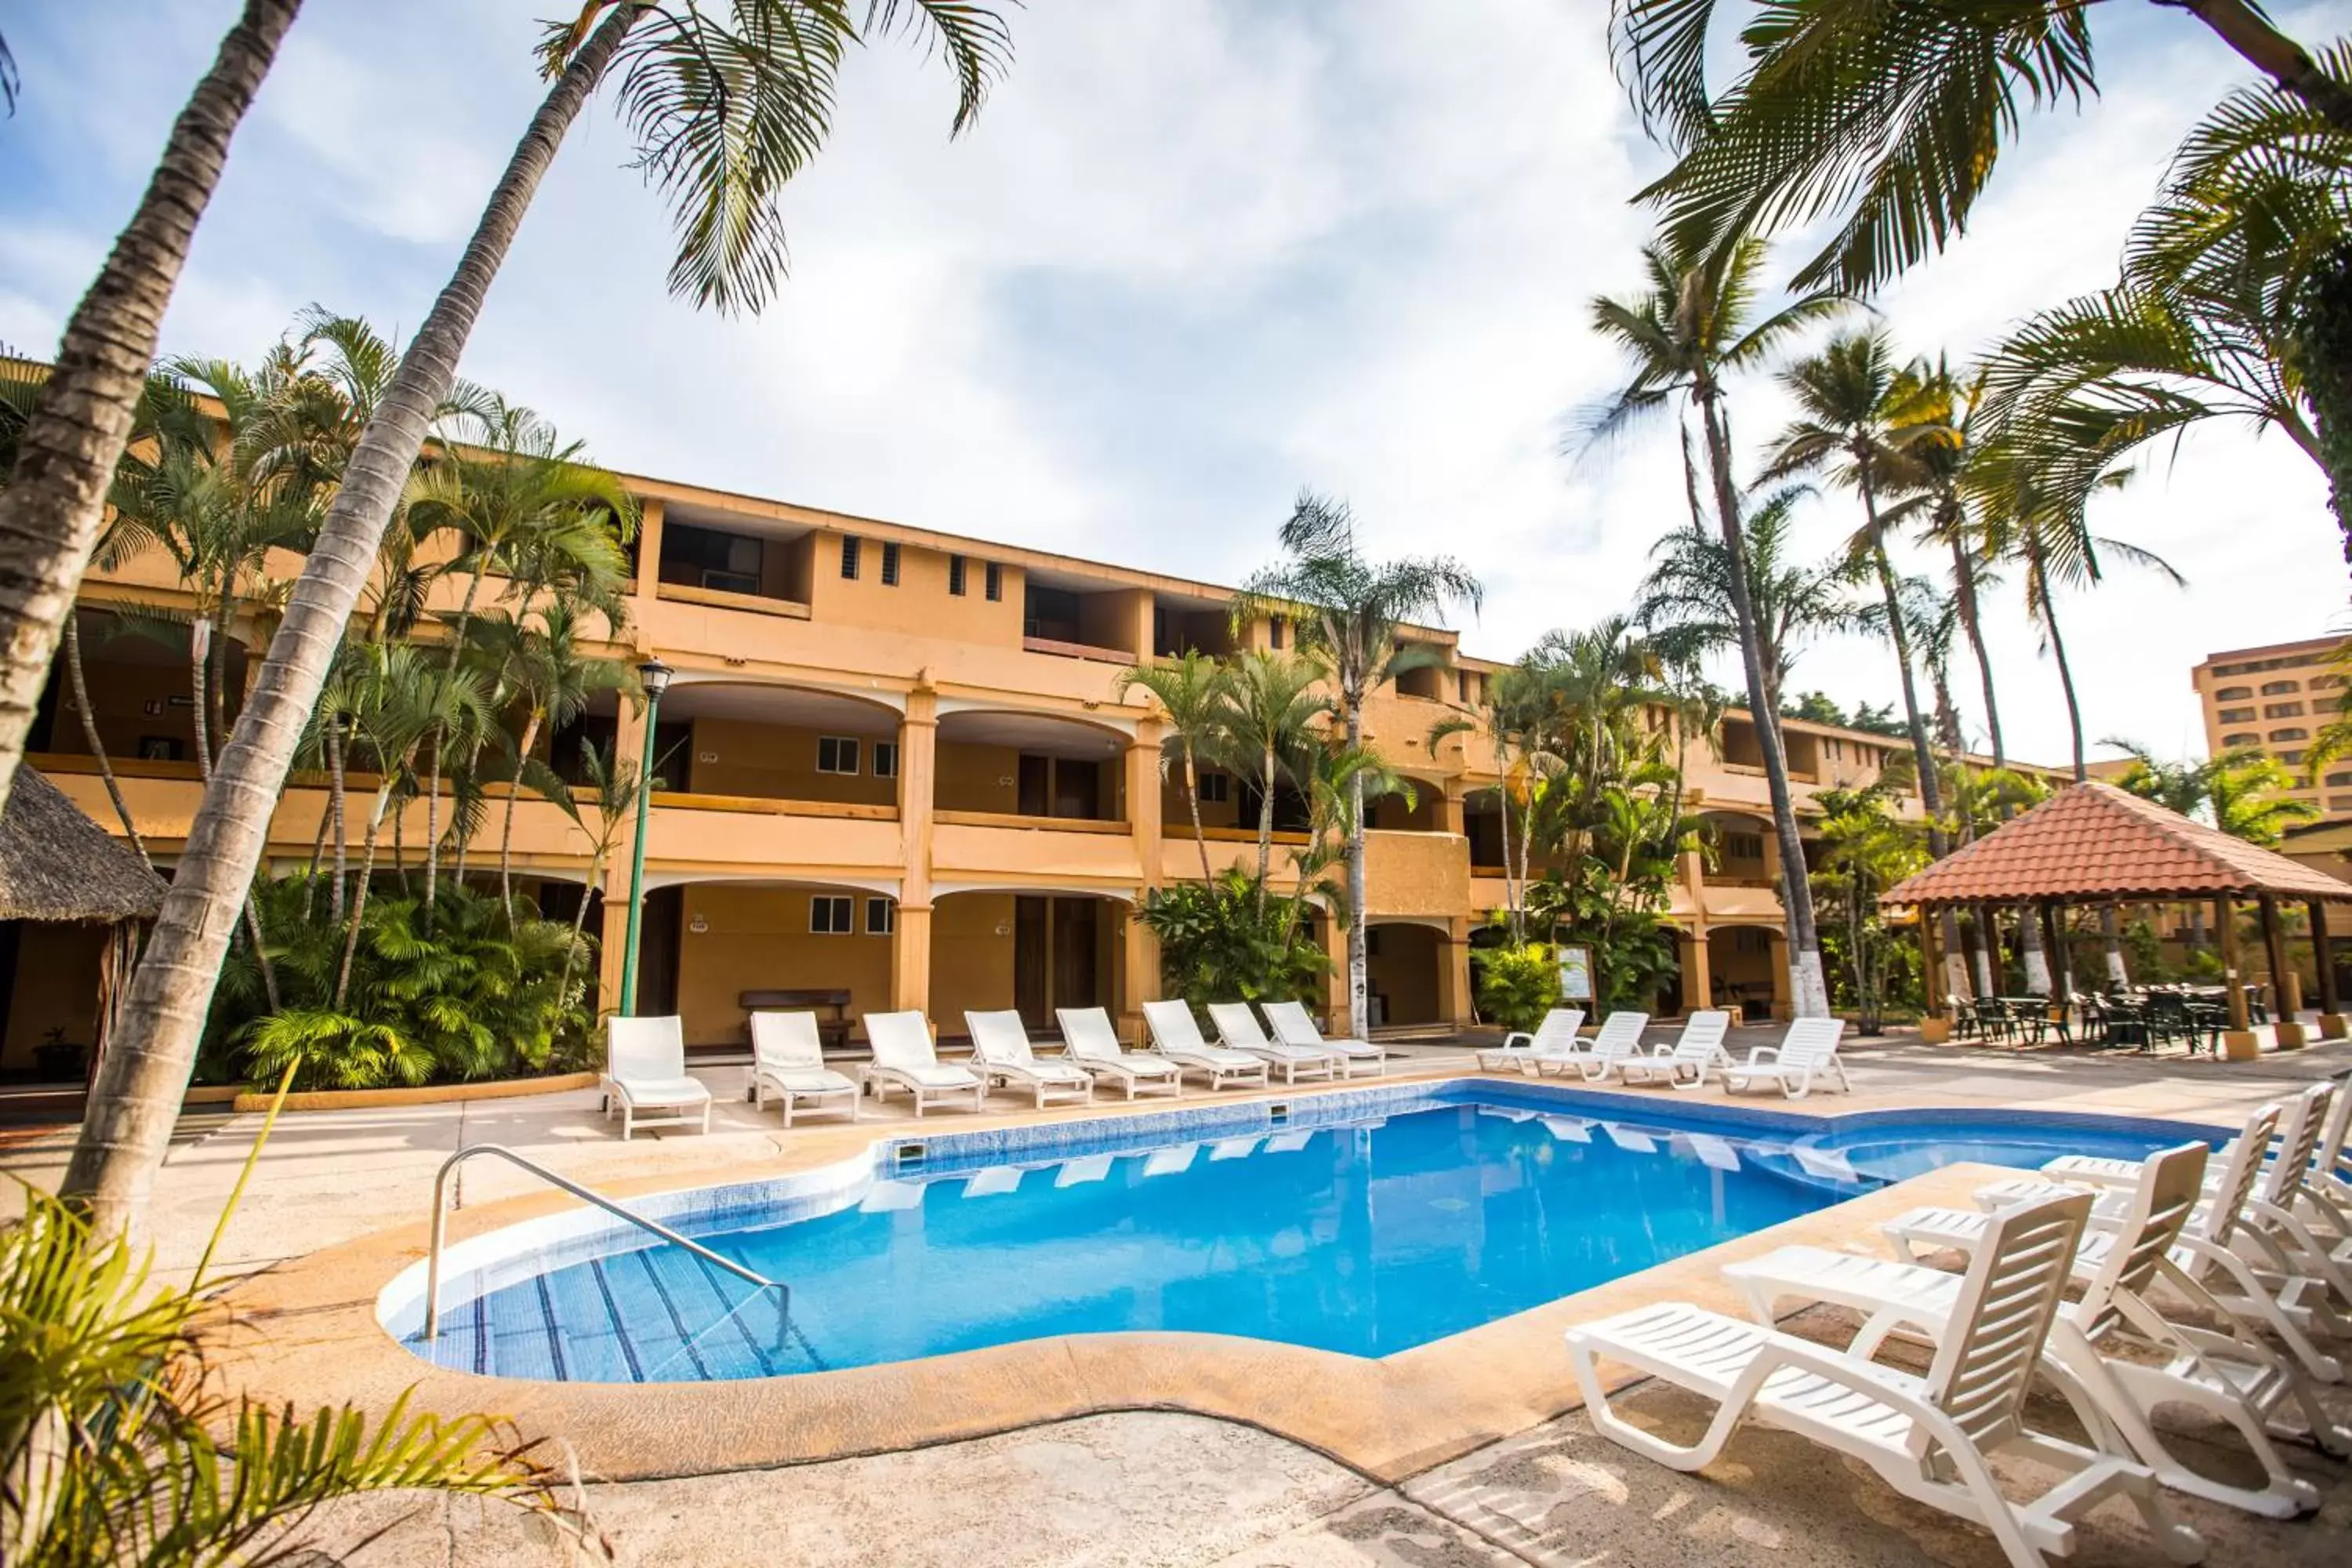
x=1808, y=987
x=1964, y=586
x=55, y=501
x=579, y=920
x=440, y=741
x=336, y=797
x=1264, y=823
x=2276, y=56
x=360, y=894
x=98, y=747
x=2110, y=928
x=136, y=1096
x=1192, y=803
x=514, y=788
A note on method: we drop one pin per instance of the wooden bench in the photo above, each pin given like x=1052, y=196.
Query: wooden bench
x=832, y=1031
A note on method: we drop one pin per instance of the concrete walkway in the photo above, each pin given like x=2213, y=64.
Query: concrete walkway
x=1155, y=1488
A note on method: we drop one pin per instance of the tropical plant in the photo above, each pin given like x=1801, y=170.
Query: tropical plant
x=2242, y=792
x=1508, y=713
x=53, y=505
x=120, y=1448
x=1231, y=937
x=476, y=993
x=1686, y=603
x=1865, y=849
x=614, y=790
x=1351, y=612
x=1193, y=693
x=2233, y=304
x=1518, y=984
x=720, y=140
x=1265, y=707
x=1690, y=330
x=1936, y=425
x=1888, y=118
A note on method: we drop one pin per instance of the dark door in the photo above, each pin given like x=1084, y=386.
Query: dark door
x=1075, y=929
x=1032, y=961
x=1036, y=795
x=1078, y=789
x=657, y=941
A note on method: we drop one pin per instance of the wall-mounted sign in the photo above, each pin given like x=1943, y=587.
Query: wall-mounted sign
x=152, y=708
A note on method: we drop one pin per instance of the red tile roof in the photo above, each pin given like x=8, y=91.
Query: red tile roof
x=2093, y=842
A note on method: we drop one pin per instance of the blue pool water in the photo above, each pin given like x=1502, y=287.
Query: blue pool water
x=1368, y=1236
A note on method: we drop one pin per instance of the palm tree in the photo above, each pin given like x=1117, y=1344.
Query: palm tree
x=54, y=502
x=1938, y=418
x=721, y=144
x=1267, y=707
x=1350, y=613
x=1889, y=117
x=545, y=668
x=1686, y=602
x=524, y=508
x=1507, y=714
x=1192, y=692
x=1685, y=334
x=2233, y=304
x=615, y=789
x=2242, y=792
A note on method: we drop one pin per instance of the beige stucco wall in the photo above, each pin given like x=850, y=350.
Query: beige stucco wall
x=777, y=762
x=759, y=939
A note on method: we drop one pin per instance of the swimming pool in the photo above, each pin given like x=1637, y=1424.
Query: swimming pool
x=1364, y=1222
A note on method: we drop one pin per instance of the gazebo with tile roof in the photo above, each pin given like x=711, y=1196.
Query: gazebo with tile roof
x=2095, y=844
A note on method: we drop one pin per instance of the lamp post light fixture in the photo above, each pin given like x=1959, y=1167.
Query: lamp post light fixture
x=655, y=677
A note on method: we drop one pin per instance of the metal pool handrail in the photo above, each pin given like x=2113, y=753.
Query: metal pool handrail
x=441, y=1220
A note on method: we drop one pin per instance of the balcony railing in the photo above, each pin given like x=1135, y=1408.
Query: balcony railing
x=1060, y=650
x=721, y=599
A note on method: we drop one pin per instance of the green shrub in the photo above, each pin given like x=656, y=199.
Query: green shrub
x=1517, y=985
x=478, y=995
x=1227, y=940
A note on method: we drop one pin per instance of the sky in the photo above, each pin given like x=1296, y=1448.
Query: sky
x=1194, y=255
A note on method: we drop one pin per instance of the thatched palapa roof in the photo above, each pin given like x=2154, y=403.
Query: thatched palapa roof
x=2095, y=844
x=55, y=864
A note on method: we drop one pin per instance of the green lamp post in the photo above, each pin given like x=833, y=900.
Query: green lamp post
x=656, y=676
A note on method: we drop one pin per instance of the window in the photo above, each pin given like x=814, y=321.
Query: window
x=2236, y=715
x=710, y=558
x=2280, y=688
x=995, y=581
x=2326, y=683
x=2292, y=733
x=1274, y=628
x=2240, y=739
x=1743, y=846
x=2231, y=693
x=886, y=759
x=1372, y=942
x=2282, y=710
x=849, y=543
x=830, y=914
x=955, y=575
x=2290, y=757
x=2339, y=803
x=890, y=564
x=2339, y=781
x=1215, y=789
x=836, y=753
x=881, y=917
x=1462, y=687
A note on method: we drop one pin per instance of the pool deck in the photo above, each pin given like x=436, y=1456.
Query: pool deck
x=1469, y=1449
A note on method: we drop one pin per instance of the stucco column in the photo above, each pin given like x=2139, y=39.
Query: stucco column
x=650, y=516
x=910, y=941
x=1143, y=805
x=1335, y=948
x=1449, y=819
x=1138, y=975
x=628, y=754
x=1698, y=977
x=1455, y=999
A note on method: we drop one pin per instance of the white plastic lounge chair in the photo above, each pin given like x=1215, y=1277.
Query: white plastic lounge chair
x=1293, y=1026
x=1618, y=1042
x=2230, y=1375
x=904, y=1055
x=2263, y=1291
x=1554, y=1038
x=1000, y=1054
x=1927, y=1435
x=1697, y=1053
x=1238, y=1029
x=788, y=1056
x=1809, y=1050
x=1093, y=1046
x=1176, y=1035
x=645, y=1069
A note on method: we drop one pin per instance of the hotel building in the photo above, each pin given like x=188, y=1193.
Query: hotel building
x=897, y=764
x=2274, y=700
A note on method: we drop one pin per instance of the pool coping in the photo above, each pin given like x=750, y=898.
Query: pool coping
x=307, y=1333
